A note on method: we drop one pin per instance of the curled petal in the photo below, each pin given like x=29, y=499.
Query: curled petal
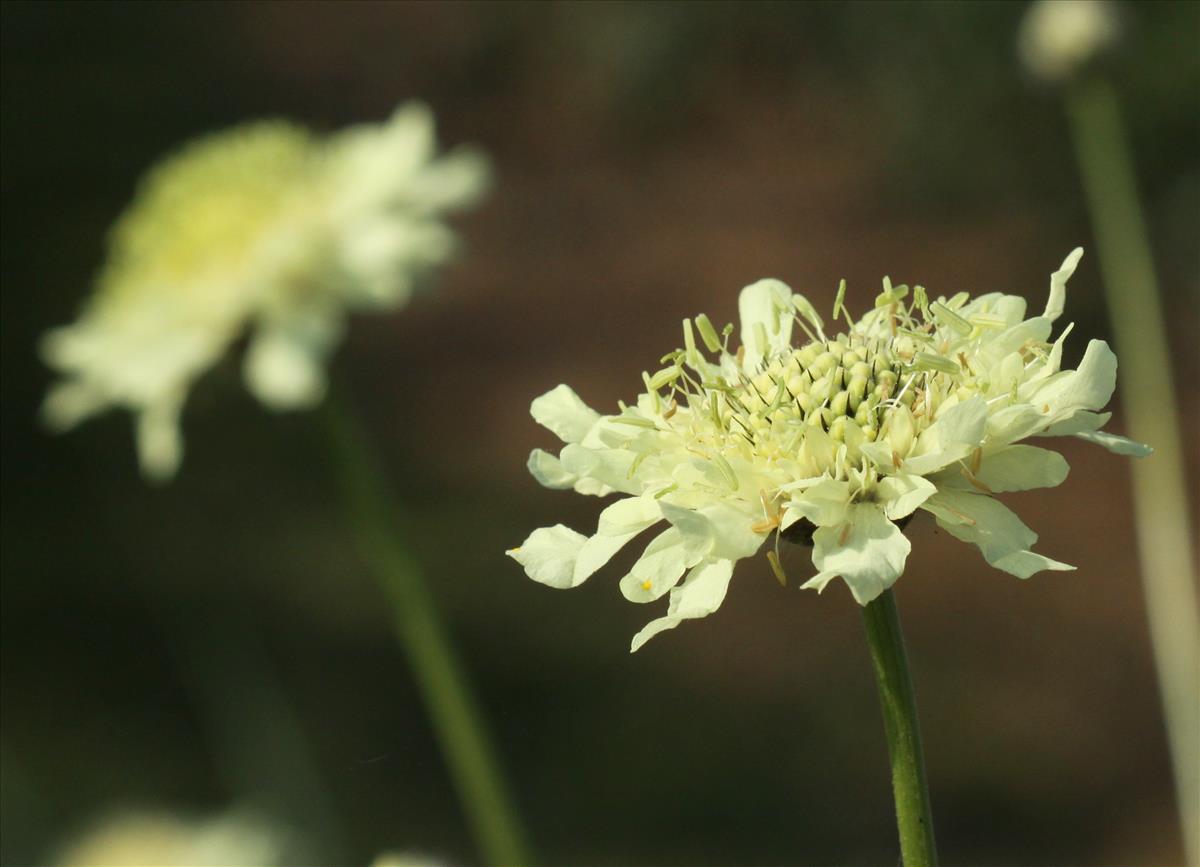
x=1058, y=284
x=700, y=594
x=1117, y=444
x=1089, y=387
x=564, y=413
x=549, y=555
x=765, y=309
x=548, y=470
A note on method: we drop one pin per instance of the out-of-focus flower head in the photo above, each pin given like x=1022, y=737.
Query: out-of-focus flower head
x=407, y=859
x=919, y=404
x=265, y=228
x=1059, y=38
x=166, y=840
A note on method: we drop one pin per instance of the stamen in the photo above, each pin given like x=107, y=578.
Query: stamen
x=777, y=568
x=663, y=377
x=930, y=361
x=708, y=334
x=949, y=318
x=636, y=421
x=726, y=471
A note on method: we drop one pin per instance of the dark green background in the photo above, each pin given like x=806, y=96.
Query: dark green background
x=216, y=642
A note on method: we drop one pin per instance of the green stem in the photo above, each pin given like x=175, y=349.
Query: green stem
x=376, y=521
x=913, y=817
x=1160, y=501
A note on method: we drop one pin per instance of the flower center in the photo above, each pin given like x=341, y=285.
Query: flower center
x=814, y=410
x=204, y=211
x=826, y=383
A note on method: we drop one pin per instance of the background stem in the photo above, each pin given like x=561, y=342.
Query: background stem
x=376, y=522
x=1160, y=502
x=913, y=817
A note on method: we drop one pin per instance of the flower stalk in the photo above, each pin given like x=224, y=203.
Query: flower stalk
x=1160, y=502
x=457, y=722
x=914, y=819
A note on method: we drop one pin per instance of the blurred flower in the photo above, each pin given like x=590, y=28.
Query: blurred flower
x=264, y=227
x=1060, y=37
x=164, y=840
x=918, y=404
x=407, y=859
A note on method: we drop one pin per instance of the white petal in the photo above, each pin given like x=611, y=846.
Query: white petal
x=374, y=164
x=700, y=594
x=159, y=441
x=880, y=453
x=69, y=403
x=1058, y=284
x=1010, y=308
x=658, y=569
x=548, y=470
x=608, y=468
x=900, y=430
x=619, y=523
x=1078, y=422
x=1089, y=387
x=817, y=451
x=630, y=515
x=987, y=523
x=1053, y=361
x=963, y=423
x=549, y=555
x=593, y=488
x=734, y=536
x=823, y=504
x=285, y=363
x=695, y=530
x=902, y=494
x=1022, y=468
x=819, y=581
x=957, y=432
x=1023, y=564
x=717, y=531
x=1016, y=422
x=868, y=551
x=1117, y=444
x=384, y=253
x=765, y=309
x=457, y=180
x=1036, y=330
x=562, y=411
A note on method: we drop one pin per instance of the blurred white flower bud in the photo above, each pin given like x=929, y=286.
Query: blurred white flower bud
x=1059, y=37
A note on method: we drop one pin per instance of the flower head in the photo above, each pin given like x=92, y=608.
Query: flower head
x=265, y=227
x=830, y=439
x=1058, y=38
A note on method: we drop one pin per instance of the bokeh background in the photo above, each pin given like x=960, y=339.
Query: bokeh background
x=216, y=644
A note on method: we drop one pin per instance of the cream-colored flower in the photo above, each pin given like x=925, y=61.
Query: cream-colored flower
x=1059, y=37
x=167, y=840
x=266, y=228
x=919, y=404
